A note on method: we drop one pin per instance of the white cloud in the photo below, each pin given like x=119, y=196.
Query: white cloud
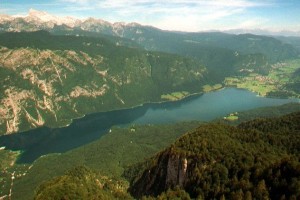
x=252, y=23
x=189, y=15
x=77, y=1
x=223, y=3
x=169, y=3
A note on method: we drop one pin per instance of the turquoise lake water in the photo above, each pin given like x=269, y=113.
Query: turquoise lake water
x=206, y=107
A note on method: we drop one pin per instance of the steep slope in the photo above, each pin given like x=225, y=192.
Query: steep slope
x=35, y=20
x=218, y=51
x=152, y=38
x=49, y=80
x=223, y=54
x=227, y=53
x=257, y=159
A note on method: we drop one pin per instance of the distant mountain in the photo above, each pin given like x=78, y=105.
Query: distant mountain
x=40, y=20
x=264, y=32
x=257, y=159
x=50, y=80
x=150, y=37
x=220, y=52
x=294, y=41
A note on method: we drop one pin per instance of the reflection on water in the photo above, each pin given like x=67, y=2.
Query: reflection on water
x=41, y=141
x=46, y=140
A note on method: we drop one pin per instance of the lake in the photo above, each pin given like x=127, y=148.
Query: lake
x=206, y=107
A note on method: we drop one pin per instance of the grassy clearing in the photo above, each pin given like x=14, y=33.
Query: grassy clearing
x=209, y=88
x=255, y=83
x=8, y=159
x=280, y=75
x=175, y=96
x=232, y=117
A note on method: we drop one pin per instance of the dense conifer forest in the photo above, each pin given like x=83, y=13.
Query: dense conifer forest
x=258, y=159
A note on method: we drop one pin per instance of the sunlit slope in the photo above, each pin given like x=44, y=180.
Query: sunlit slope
x=48, y=80
x=257, y=159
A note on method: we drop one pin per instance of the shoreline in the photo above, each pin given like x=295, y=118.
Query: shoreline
x=148, y=103
x=113, y=110
x=140, y=111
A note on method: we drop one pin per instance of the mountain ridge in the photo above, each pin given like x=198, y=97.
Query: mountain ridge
x=40, y=19
x=63, y=77
x=42, y=16
x=221, y=161
x=183, y=62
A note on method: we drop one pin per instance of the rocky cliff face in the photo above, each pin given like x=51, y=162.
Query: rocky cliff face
x=176, y=170
x=49, y=80
x=40, y=20
x=170, y=170
x=33, y=82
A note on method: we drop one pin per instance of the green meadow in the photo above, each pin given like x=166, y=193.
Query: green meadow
x=281, y=78
x=174, y=96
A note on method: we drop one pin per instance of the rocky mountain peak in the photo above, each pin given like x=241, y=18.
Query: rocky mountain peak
x=4, y=18
x=43, y=20
x=44, y=17
x=96, y=21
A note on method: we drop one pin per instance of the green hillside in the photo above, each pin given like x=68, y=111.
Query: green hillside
x=109, y=156
x=282, y=80
x=50, y=80
x=52, y=73
x=114, y=154
x=223, y=54
x=257, y=160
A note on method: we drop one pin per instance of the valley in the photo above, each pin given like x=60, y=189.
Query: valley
x=52, y=85
x=118, y=77
x=281, y=81
x=91, y=109
x=42, y=141
x=114, y=153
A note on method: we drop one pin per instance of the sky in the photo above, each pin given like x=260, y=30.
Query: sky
x=179, y=15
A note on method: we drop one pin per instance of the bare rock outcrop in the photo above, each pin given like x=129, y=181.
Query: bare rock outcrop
x=170, y=171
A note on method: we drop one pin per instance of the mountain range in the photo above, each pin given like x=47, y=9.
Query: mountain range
x=54, y=69
x=49, y=80
x=38, y=19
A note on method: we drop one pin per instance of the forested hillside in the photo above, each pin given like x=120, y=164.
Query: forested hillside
x=50, y=80
x=257, y=160
x=92, y=65
x=55, y=69
x=223, y=54
x=218, y=51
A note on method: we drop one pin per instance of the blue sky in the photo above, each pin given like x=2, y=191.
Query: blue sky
x=183, y=15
